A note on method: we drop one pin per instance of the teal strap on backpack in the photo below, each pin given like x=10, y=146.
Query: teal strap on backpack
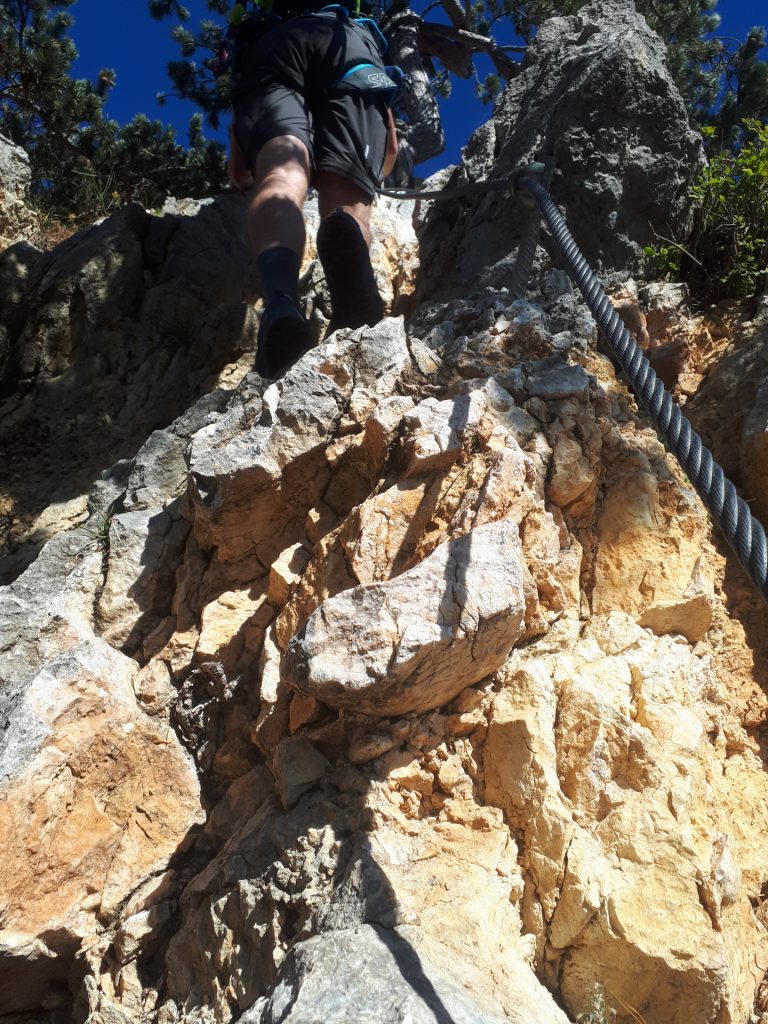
x=369, y=23
x=369, y=78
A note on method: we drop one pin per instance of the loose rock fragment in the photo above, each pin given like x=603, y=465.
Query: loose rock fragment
x=415, y=642
x=297, y=766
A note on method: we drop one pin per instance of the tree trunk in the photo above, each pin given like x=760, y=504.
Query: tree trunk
x=423, y=137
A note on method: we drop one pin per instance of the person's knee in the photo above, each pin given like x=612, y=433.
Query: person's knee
x=282, y=168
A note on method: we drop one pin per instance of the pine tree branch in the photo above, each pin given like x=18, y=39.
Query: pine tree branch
x=455, y=48
x=455, y=11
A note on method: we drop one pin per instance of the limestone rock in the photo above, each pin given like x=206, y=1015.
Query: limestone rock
x=452, y=538
x=113, y=334
x=144, y=547
x=95, y=796
x=312, y=868
x=146, y=529
x=252, y=492
x=366, y=748
x=571, y=472
x=620, y=840
x=644, y=567
x=596, y=94
x=664, y=304
x=488, y=475
x=734, y=370
x=415, y=642
x=554, y=379
x=368, y=972
x=298, y=765
x=754, y=451
x=153, y=688
x=436, y=431
x=285, y=572
x=303, y=710
x=17, y=220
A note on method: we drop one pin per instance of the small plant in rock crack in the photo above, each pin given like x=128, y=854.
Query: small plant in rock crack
x=99, y=527
x=104, y=528
x=598, y=1012
x=101, y=531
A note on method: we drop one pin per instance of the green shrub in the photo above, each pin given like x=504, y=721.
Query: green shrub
x=727, y=253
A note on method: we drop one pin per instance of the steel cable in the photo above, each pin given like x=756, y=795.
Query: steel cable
x=731, y=513
x=473, y=188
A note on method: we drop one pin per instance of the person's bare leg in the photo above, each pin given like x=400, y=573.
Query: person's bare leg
x=275, y=222
x=336, y=193
x=275, y=208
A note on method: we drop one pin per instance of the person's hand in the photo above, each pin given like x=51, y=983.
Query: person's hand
x=239, y=175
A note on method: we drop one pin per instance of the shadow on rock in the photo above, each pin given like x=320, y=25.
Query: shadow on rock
x=110, y=336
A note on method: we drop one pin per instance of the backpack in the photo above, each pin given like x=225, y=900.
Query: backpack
x=284, y=9
x=251, y=18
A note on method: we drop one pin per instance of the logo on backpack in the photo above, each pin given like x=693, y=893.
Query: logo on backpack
x=378, y=80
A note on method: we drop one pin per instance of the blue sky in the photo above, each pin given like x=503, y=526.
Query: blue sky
x=123, y=36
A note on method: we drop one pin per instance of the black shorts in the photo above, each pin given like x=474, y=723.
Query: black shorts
x=291, y=82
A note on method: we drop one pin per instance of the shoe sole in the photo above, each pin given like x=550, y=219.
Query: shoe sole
x=344, y=255
x=286, y=341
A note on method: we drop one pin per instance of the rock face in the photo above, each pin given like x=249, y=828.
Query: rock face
x=114, y=334
x=96, y=797
x=410, y=686
x=735, y=359
x=17, y=220
x=320, y=977
x=596, y=97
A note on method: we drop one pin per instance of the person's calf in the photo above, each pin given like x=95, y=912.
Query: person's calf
x=277, y=236
x=337, y=193
x=275, y=209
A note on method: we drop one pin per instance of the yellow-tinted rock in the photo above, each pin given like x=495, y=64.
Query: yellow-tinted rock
x=105, y=801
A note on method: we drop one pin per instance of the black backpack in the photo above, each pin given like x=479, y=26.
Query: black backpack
x=250, y=19
x=284, y=9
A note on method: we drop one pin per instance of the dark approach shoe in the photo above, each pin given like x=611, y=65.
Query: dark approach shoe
x=284, y=336
x=355, y=299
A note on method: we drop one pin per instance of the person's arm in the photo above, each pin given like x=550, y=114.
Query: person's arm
x=239, y=175
x=392, y=146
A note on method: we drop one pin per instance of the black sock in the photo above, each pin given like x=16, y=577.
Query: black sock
x=279, y=272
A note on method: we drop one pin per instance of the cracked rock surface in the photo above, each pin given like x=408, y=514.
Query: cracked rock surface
x=415, y=642
x=596, y=95
x=411, y=686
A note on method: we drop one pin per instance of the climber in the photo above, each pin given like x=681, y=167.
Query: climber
x=311, y=103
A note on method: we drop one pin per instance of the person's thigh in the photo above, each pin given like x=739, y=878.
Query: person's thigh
x=270, y=112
